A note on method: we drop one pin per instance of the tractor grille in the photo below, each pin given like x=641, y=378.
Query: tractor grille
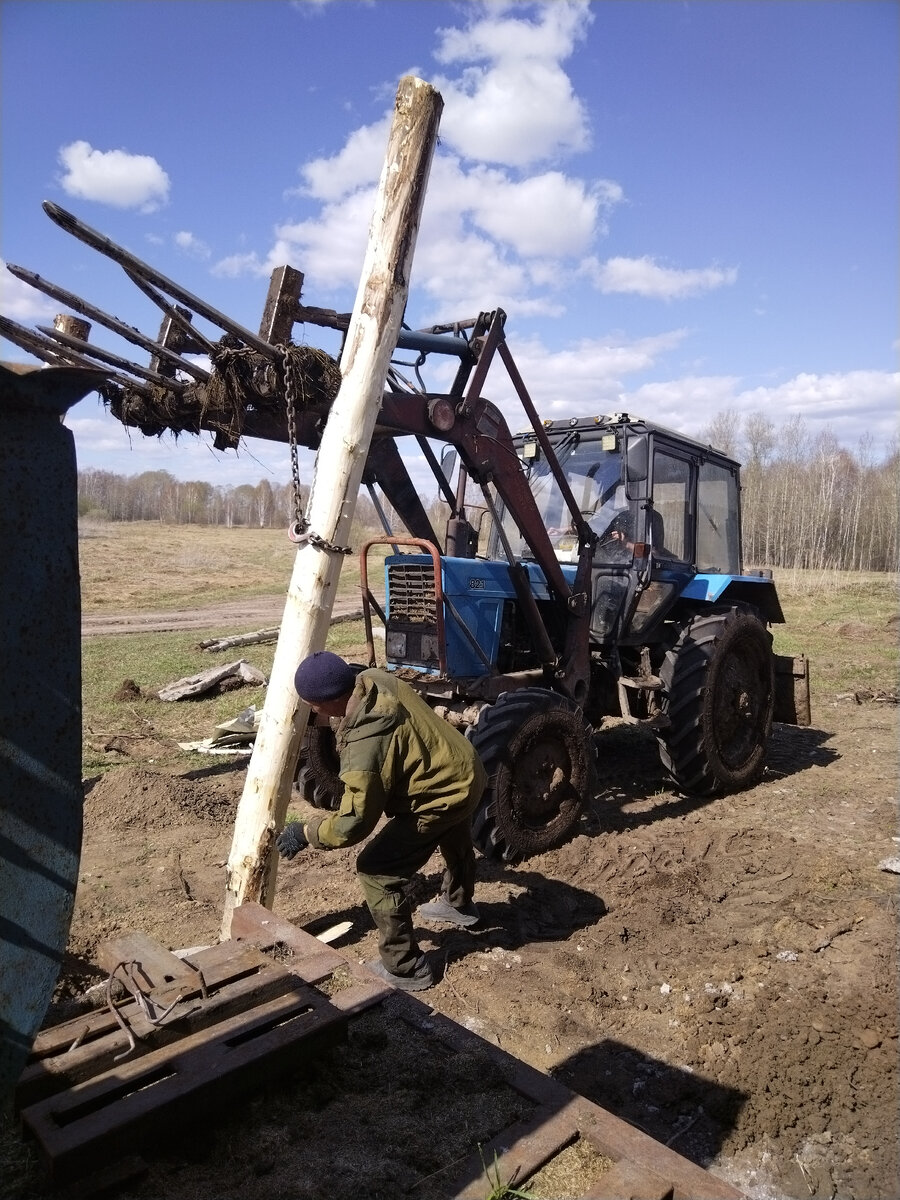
x=412, y=599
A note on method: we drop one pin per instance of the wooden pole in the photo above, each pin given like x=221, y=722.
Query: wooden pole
x=371, y=338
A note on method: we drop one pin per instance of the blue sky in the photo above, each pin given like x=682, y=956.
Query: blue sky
x=685, y=208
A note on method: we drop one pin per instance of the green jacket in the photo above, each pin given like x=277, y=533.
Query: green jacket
x=398, y=758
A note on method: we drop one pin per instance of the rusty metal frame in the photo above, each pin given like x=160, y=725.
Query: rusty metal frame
x=368, y=600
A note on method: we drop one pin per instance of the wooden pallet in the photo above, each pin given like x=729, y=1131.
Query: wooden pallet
x=243, y=1018
x=239, y=1020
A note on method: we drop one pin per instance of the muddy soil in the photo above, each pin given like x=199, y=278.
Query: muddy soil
x=720, y=973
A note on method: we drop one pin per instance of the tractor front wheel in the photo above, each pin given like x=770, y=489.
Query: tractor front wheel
x=318, y=779
x=538, y=751
x=720, y=689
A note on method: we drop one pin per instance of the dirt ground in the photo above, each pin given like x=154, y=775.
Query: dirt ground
x=720, y=973
x=258, y=612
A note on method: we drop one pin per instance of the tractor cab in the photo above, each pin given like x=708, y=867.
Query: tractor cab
x=663, y=510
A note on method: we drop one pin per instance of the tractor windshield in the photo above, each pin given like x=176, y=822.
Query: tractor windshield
x=596, y=480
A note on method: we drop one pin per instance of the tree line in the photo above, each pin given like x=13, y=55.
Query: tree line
x=806, y=502
x=158, y=496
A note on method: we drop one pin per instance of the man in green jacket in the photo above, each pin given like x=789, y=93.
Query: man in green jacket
x=398, y=760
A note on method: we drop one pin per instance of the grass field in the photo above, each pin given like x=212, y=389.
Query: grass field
x=846, y=623
x=133, y=567
x=144, y=565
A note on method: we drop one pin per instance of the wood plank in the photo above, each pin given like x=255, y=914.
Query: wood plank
x=259, y=926
x=312, y=960
x=517, y=1152
x=219, y=964
x=106, y=1181
x=124, y=1109
x=357, y=999
x=610, y=1135
x=51, y=1075
x=157, y=966
x=625, y=1181
x=619, y=1140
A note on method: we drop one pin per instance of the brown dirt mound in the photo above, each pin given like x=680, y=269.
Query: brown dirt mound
x=142, y=799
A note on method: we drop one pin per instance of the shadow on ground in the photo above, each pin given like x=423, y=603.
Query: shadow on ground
x=682, y=1109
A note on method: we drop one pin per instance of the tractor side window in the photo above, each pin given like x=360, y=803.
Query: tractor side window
x=668, y=526
x=718, y=544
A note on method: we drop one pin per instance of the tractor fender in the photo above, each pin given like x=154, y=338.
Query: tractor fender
x=755, y=590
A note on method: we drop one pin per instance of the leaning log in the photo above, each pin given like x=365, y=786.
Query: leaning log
x=375, y=326
x=262, y=636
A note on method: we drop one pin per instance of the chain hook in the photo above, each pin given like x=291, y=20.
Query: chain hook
x=298, y=532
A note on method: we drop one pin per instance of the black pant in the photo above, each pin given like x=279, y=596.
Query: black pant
x=392, y=857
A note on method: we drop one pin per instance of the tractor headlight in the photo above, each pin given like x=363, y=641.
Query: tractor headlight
x=655, y=597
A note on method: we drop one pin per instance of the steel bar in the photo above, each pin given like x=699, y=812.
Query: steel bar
x=433, y=343
x=114, y=360
x=56, y=355
x=130, y=263
x=424, y=340
x=440, y=477
x=128, y=332
x=40, y=347
x=585, y=533
x=174, y=314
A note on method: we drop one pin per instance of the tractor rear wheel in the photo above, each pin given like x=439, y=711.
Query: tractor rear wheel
x=719, y=682
x=538, y=751
x=318, y=779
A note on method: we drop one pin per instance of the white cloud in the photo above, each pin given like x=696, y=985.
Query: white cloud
x=519, y=107
x=477, y=226
x=860, y=401
x=463, y=275
x=236, y=265
x=330, y=249
x=851, y=403
x=114, y=177
x=687, y=404
x=318, y=6
x=591, y=377
x=357, y=165
x=645, y=277
x=23, y=303
x=191, y=245
x=544, y=215
x=103, y=442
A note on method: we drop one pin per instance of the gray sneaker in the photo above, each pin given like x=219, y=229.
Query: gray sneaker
x=440, y=910
x=420, y=980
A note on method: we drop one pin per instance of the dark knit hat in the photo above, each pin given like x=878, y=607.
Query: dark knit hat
x=323, y=676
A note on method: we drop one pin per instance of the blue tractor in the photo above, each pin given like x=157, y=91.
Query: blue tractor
x=603, y=579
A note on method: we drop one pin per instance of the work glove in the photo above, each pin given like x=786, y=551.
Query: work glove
x=291, y=840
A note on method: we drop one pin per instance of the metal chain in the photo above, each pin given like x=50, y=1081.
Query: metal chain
x=299, y=530
x=293, y=394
